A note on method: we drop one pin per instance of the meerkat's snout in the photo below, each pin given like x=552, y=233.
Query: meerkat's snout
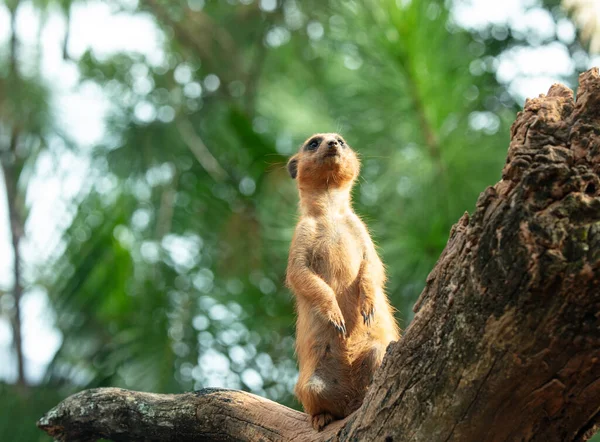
x=332, y=147
x=333, y=143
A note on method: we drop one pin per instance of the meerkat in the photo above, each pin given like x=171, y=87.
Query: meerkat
x=344, y=319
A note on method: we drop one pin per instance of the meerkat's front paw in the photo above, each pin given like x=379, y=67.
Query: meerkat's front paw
x=318, y=421
x=367, y=309
x=337, y=320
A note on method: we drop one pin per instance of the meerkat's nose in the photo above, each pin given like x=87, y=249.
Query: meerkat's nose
x=332, y=143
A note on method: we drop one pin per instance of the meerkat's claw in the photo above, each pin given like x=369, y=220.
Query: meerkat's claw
x=341, y=328
x=368, y=317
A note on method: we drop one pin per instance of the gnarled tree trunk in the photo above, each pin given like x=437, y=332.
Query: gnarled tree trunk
x=505, y=343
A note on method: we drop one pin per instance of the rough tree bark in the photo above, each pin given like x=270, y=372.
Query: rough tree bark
x=505, y=343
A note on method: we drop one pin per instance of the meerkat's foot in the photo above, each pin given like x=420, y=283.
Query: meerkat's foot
x=320, y=420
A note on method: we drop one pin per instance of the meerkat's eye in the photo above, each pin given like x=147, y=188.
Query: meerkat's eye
x=341, y=142
x=313, y=144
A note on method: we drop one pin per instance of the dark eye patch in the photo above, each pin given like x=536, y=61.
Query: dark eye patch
x=313, y=143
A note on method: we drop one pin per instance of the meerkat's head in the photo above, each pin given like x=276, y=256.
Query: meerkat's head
x=324, y=160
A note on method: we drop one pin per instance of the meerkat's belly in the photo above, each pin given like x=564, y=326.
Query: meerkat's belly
x=336, y=256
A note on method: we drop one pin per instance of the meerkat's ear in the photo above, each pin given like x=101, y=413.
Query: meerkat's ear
x=292, y=167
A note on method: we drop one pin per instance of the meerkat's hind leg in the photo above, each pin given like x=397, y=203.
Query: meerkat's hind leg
x=320, y=420
x=368, y=364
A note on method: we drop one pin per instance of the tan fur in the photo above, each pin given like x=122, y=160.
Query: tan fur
x=345, y=321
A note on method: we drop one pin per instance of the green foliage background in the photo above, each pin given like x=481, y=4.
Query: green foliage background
x=170, y=275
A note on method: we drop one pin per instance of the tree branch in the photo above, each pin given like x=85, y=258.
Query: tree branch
x=8, y=163
x=206, y=159
x=11, y=178
x=209, y=414
x=505, y=344
x=14, y=41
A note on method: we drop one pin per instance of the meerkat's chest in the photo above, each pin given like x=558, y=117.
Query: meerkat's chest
x=337, y=251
